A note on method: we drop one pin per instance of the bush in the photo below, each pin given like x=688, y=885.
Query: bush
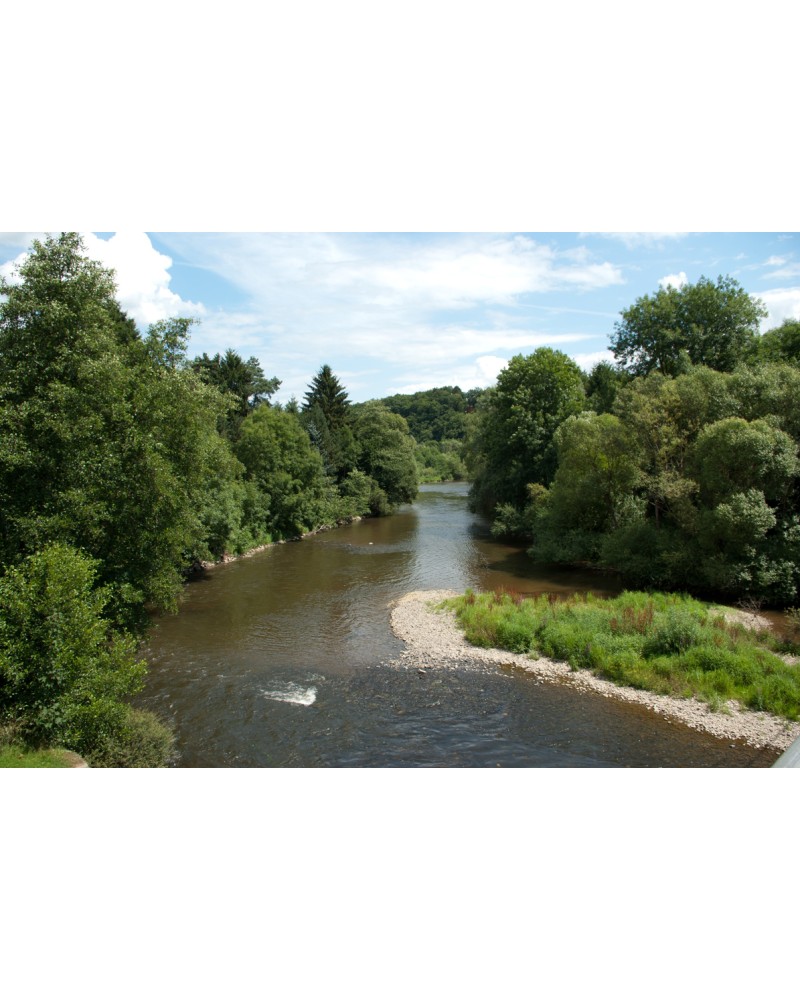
x=139, y=739
x=673, y=634
x=64, y=672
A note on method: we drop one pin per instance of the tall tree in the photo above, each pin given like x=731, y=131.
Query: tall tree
x=104, y=437
x=513, y=443
x=244, y=382
x=327, y=392
x=327, y=418
x=708, y=323
x=386, y=454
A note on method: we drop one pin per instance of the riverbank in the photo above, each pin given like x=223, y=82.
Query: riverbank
x=204, y=564
x=435, y=641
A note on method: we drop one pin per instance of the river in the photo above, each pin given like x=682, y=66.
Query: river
x=283, y=659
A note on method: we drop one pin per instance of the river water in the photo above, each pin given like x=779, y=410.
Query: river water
x=283, y=659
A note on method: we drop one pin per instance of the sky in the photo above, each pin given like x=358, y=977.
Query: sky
x=400, y=312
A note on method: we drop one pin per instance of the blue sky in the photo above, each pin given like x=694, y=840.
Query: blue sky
x=399, y=312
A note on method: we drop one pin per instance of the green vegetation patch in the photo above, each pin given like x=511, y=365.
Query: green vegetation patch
x=14, y=756
x=667, y=643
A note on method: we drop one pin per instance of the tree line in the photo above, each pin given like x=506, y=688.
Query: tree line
x=123, y=463
x=676, y=466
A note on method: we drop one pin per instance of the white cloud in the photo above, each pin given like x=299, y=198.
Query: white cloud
x=676, y=280
x=471, y=271
x=142, y=275
x=588, y=361
x=789, y=271
x=479, y=374
x=775, y=261
x=633, y=241
x=489, y=367
x=141, y=272
x=20, y=241
x=394, y=271
x=782, y=303
x=9, y=269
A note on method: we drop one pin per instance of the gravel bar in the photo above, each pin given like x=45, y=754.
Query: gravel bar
x=434, y=641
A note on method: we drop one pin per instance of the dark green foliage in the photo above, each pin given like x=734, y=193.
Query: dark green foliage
x=242, y=382
x=708, y=323
x=781, y=343
x=435, y=414
x=733, y=456
x=438, y=420
x=513, y=444
x=327, y=392
x=386, y=453
x=602, y=385
x=139, y=739
x=287, y=471
x=106, y=440
x=691, y=481
x=63, y=669
x=327, y=418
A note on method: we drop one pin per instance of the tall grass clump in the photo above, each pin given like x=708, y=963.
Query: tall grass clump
x=667, y=643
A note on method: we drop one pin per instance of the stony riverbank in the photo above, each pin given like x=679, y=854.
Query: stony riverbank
x=434, y=641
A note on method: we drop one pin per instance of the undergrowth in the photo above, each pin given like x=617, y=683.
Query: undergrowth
x=666, y=643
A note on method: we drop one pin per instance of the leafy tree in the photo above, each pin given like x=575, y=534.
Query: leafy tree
x=386, y=453
x=769, y=390
x=708, y=323
x=63, y=670
x=105, y=439
x=598, y=469
x=602, y=385
x=243, y=381
x=781, y=343
x=439, y=461
x=295, y=495
x=513, y=442
x=734, y=456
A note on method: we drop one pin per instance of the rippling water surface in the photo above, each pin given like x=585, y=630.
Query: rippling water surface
x=280, y=660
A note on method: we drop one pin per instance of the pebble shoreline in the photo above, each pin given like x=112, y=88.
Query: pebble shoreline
x=434, y=641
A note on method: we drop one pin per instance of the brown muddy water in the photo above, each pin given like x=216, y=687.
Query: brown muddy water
x=283, y=660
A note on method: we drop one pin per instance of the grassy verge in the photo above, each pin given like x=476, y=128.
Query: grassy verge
x=12, y=756
x=667, y=643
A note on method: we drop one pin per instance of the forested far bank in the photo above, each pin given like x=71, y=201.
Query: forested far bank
x=676, y=467
x=440, y=421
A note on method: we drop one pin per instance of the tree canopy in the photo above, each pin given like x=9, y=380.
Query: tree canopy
x=706, y=323
x=513, y=442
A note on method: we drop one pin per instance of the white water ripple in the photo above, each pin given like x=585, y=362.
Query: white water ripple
x=293, y=693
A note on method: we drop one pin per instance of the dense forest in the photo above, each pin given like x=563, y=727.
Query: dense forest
x=676, y=467
x=439, y=421
x=124, y=463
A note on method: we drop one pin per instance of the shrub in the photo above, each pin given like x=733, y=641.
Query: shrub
x=138, y=739
x=64, y=671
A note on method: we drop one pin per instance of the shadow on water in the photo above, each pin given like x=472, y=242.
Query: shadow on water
x=283, y=659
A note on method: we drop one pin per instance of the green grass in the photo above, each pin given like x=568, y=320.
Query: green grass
x=667, y=643
x=13, y=756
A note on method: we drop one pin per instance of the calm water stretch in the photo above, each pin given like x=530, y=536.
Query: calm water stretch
x=281, y=660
